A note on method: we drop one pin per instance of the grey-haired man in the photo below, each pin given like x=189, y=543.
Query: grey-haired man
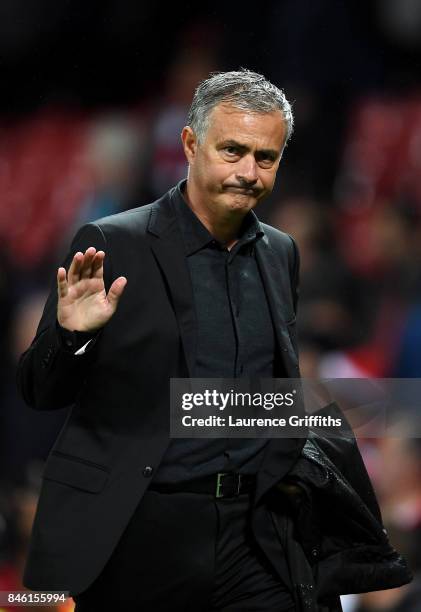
x=192, y=285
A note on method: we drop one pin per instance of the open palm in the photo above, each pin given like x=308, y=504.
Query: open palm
x=83, y=304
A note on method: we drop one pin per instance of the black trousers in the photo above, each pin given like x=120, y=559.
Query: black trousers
x=188, y=552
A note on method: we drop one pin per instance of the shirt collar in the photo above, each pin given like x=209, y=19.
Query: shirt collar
x=196, y=236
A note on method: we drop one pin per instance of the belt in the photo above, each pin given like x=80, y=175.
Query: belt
x=223, y=484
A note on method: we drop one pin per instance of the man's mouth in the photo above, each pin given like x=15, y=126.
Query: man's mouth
x=242, y=190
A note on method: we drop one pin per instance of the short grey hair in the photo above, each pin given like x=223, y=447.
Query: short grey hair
x=243, y=89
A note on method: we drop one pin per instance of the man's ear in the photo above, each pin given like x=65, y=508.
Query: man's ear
x=189, y=140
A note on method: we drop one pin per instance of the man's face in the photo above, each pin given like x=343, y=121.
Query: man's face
x=235, y=166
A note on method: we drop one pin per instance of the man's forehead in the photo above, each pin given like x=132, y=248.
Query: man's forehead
x=229, y=122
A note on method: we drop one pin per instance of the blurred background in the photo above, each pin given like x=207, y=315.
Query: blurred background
x=95, y=95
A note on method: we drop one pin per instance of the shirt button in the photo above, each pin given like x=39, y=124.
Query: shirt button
x=147, y=471
x=69, y=342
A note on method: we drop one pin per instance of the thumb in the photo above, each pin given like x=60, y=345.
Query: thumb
x=116, y=290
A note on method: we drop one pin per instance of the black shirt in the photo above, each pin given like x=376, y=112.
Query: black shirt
x=235, y=337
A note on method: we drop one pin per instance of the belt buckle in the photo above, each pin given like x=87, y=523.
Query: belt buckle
x=239, y=484
x=218, y=492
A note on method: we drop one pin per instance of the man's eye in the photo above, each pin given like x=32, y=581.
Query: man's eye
x=231, y=150
x=266, y=161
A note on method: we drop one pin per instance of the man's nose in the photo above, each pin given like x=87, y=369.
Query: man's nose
x=247, y=169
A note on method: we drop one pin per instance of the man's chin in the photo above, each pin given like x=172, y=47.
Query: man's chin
x=237, y=201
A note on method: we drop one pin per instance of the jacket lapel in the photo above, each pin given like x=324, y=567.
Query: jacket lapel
x=276, y=280
x=168, y=249
x=280, y=453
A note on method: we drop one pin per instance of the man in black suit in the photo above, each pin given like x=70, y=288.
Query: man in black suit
x=192, y=285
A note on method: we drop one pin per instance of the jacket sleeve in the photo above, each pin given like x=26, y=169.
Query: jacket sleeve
x=49, y=374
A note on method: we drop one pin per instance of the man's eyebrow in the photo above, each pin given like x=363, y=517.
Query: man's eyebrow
x=272, y=153
x=233, y=143
x=269, y=153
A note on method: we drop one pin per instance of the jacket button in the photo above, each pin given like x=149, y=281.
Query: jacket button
x=147, y=471
x=314, y=552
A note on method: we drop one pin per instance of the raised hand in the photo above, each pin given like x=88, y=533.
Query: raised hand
x=83, y=305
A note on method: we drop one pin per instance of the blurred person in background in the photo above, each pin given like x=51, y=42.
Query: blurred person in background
x=191, y=64
x=330, y=314
x=126, y=516
x=331, y=318
x=115, y=156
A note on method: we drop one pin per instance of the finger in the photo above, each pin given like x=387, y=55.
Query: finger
x=86, y=269
x=62, y=287
x=73, y=275
x=98, y=265
x=116, y=290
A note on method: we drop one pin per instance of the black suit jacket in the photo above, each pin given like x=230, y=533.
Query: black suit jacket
x=118, y=428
